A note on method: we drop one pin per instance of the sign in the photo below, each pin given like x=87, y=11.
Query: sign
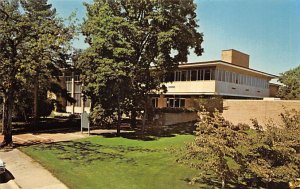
x=85, y=122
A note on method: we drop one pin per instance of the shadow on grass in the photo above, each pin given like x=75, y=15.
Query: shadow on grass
x=154, y=133
x=85, y=152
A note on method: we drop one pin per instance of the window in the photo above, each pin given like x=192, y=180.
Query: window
x=170, y=77
x=194, y=75
x=77, y=88
x=176, y=102
x=77, y=97
x=68, y=78
x=207, y=74
x=212, y=74
x=76, y=78
x=155, y=102
x=177, y=76
x=200, y=75
x=69, y=86
x=184, y=76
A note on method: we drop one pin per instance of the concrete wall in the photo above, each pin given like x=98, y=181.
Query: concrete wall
x=191, y=87
x=241, y=111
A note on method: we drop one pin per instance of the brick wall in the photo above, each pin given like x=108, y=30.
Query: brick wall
x=241, y=111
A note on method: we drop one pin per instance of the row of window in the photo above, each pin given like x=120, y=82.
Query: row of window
x=217, y=74
x=231, y=77
x=191, y=75
x=171, y=102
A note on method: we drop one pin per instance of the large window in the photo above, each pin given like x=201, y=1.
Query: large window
x=194, y=75
x=176, y=102
x=77, y=94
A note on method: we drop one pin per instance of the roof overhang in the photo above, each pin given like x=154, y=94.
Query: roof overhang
x=220, y=62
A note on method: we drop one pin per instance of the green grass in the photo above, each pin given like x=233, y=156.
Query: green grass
x=116, y=163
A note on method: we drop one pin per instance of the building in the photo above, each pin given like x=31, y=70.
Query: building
x=230, y=77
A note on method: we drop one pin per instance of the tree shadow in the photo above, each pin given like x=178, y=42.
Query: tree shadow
x=85, y=152
x=6, y=177
x=152, y=133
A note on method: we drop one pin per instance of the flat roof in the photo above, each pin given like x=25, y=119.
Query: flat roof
x=218, y=62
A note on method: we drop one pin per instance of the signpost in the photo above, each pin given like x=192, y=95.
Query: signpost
x=85, y=123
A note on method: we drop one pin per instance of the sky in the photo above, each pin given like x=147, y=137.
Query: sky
x=267, y=30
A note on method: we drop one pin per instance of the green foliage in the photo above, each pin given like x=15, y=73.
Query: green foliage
x=237, y=154
x=291, y=84
x=130, y=39
x=33, y=46
x=216, y=149
x=274, y=154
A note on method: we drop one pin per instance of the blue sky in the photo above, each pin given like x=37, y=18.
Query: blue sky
x=267, y=30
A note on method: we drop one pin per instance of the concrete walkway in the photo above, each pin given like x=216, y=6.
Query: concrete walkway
x=24, y=172
x=27, y=173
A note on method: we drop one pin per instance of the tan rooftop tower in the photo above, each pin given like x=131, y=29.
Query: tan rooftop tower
x=235, y=57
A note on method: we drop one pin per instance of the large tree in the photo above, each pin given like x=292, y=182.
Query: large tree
x=47, y=46
x=291, y=84
x=138, y=42
x=13, y=36
x=32, y=46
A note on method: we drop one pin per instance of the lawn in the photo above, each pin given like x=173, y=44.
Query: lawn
x=99, y=162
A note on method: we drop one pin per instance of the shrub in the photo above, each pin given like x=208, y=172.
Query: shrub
x=238, y=154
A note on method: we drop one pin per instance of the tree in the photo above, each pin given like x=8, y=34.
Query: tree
x=47, y=46
x=216, y=149
x=140, y=40
x=273, y=154
x=237, y=154
x=291, y=84
x=31, y=44
x=13, y=34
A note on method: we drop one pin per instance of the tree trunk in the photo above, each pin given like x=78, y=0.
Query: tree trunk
x=133, y=118
x=145, y=115
x=119, y=117
x=7, y=118
x=35, y=106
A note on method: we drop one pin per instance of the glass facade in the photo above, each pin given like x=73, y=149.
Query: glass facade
x=219, y=75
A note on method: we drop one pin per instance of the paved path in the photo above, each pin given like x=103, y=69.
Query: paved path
x=28, y=174
x=24, y=172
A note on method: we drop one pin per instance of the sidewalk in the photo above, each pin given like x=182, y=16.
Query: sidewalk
x=28, y=174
